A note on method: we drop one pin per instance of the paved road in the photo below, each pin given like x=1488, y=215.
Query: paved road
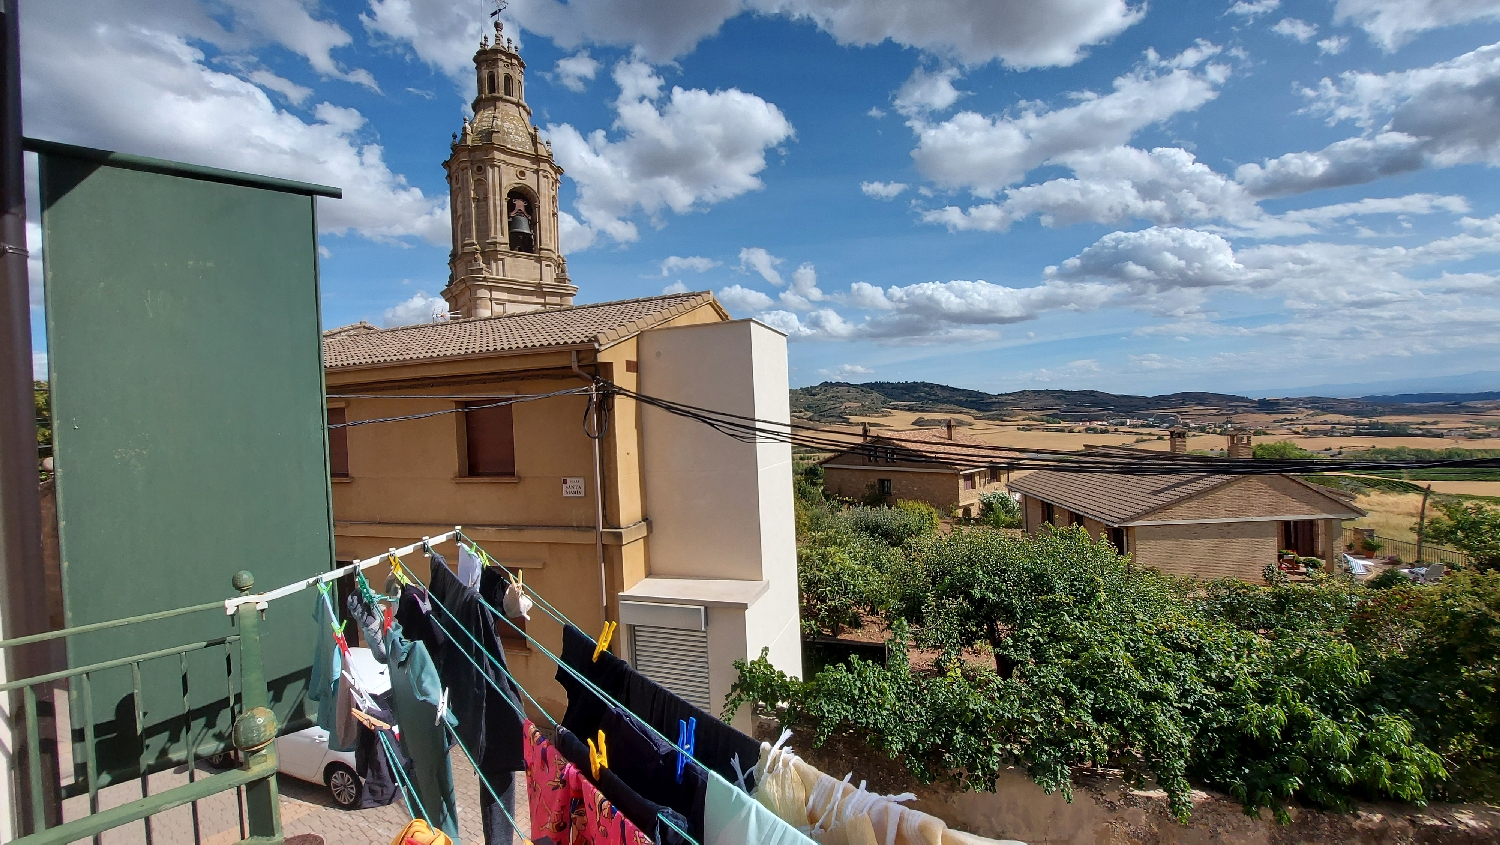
x=305, y=808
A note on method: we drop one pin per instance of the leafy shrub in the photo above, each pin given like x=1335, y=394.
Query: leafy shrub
x=839, y=584
x=999, y=510
x=1473, y=528
x=1433, y=654
x=1322, y=692
x=1389, y=578
x=1280, y=450
x=921, y=511
x=893, y=525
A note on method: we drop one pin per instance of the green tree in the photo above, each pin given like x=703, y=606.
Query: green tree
x=1474, y=528
x=42, y=394
x=1280, y=450
x=999, y=510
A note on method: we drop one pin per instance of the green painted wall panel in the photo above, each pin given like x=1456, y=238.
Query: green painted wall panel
x=187, y=396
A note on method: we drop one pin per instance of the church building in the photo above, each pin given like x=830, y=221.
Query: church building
x=682, y=535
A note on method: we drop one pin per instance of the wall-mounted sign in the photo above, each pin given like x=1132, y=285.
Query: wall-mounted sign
x=572, y=488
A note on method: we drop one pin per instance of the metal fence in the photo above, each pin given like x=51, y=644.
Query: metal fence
x=1406, y=551
x=253, y=735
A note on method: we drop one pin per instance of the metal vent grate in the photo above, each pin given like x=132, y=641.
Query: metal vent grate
x=676, y=659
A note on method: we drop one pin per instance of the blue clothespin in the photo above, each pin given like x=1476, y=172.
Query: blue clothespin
x=686, y=733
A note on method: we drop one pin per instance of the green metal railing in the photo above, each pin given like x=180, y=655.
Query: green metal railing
x=1406, y=551
x=253, y=735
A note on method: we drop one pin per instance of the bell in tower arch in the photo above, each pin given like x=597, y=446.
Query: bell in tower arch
x=522, y=233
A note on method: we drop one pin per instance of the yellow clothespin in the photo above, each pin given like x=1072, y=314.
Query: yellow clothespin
x=604, y=637
x=398, y=570
x=598, y=756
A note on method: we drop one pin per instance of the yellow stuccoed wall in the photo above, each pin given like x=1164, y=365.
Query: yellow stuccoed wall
x=405, y=483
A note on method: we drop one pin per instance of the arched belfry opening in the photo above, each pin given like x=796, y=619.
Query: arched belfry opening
x=489, y=82
x=520, y=216
x=509, y=86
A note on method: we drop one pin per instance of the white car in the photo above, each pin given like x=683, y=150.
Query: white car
x=305, y=755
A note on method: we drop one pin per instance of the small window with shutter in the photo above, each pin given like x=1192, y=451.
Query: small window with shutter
x=338, y=443
x=490, y=441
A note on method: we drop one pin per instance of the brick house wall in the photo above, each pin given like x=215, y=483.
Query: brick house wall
x=1261, y=495
x=941, y=487
x=937, y=487
x=1208, y=549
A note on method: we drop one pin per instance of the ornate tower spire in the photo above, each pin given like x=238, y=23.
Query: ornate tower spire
x=502, y=183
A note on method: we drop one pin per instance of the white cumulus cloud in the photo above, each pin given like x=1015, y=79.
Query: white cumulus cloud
x=925, y=92
x=1020, y=33
x=1298, y=30
x=163, y=99
x=803, y=290
x=882, y=190
x=421, y=308
x=1391, y=23
x=985, y=154
x=680, y=151
x=1253, y=8
x=843, y=371
x=696, y=263
x=1444, y=115
x=757, y=259
x=743, y=300
x=575, y=72
x=1166, y=185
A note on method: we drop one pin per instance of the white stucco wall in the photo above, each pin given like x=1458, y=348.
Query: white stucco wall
x=721, y=509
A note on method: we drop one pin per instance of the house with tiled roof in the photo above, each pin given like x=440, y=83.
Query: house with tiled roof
x=925, y=465
x=1203, y=525
x=613, y=510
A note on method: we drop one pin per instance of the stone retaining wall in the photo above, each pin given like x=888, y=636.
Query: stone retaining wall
x=1105, y=811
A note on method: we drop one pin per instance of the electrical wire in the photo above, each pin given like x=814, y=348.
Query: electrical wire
x=748, y=429
x=510, y=400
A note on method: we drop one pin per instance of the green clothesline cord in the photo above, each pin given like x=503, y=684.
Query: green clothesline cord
x=606, y=696
x=408, y=789
x=514, y=825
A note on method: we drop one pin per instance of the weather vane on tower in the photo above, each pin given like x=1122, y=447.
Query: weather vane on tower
x=500, y=6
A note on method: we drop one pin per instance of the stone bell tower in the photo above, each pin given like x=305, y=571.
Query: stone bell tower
x=502, y=183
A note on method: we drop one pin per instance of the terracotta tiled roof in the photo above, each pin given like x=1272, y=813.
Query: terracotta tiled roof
x=605, y=322
x=1113, y=498
x=931, y=444
x=937, y=435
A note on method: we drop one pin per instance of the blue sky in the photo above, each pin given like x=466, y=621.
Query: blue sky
x=999, y=194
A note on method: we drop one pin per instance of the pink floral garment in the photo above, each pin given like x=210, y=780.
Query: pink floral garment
x=602, y=823
x=549, y=789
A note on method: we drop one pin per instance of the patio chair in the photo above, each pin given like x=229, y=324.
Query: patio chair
x=1433, y=573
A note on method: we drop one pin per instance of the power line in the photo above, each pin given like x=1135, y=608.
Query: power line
x=889, y=449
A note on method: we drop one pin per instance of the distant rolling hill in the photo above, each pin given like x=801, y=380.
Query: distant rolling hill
x=834, y=401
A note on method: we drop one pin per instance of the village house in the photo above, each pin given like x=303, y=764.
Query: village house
x=925, y=465
x=1203, y=525
x=679, y=533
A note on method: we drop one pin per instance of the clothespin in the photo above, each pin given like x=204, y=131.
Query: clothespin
x=368, y=721
x=598, y=756
x=604, y=637
x=739, y=773
x=397, y=569
x=442, y=709
x=686, y=741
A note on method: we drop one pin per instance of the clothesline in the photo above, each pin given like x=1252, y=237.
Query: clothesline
x=261, y=600
x=457, y=625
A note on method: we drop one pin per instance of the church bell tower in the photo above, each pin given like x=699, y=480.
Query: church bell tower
x=502, y=185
